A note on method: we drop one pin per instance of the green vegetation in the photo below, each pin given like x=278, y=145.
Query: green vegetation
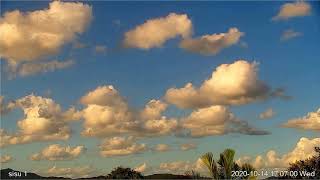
x=124, y=173
x=210, y=164
x=308, y=165
x=222, y=169
x=226, y=162
x=217, y=169
x=193, y=175
x=248, y=168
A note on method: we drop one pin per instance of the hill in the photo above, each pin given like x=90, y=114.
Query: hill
x=167, y=176
x=13, y=174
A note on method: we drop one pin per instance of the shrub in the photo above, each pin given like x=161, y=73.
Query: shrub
x=124, y=173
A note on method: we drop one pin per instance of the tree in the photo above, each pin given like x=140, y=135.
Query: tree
x=310, y=165
x=208, y=161
x=224, y=167
x=248, y=168
x=124, y=173
x=193, y=174
x=226, y=162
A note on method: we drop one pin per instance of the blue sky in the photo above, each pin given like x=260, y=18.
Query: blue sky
x=141, y=75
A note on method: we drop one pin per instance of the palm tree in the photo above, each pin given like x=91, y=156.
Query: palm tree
x=208, y=161
x=223, y=168
x=248, y=168
x=226, y=162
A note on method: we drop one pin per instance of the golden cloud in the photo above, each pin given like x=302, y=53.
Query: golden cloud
x=155, y=32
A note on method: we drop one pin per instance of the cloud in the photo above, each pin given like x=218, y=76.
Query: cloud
x=243, y=44
x=108, y=114
x=103, y=96
x=244, y=159
x=159, y=127
x=309, y=122
x=43, y=120
x=55, y=152
x=294, y=9
x=186, y=97
x=120, y=146
x=230, y=84
x=243, y=127
x=30, y=36
x=258, y=162
x=304, y=149
x=216, y=120
x=187, y=146
x=102, y=121
x=153, y=123
x=78, y=45
x=269, y=113
x=212, y=44
x=208, y=121
x=142, y=168
x=161, y=147
x=153, y=109
x=181, y=166
x=73, y=172
x=5, y=108
x=6, y=159
x=155, y=32
x=100, y=49
x=289, y=34
x=27, y=69
x=2, y=105
x=280, y=93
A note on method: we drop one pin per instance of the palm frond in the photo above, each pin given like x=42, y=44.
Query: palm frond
x=227, y=162
x=208, y=161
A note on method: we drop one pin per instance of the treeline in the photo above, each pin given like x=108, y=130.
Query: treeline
x=225, y=168
x=222, y=168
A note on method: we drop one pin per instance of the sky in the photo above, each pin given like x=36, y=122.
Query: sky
x=99, y=84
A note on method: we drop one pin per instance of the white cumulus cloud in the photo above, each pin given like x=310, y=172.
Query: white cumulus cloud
x=309, y=122
x=121, y=146
x=107, y=114
x=293, y=9
x=304, y=149
x=216, y=120
x=103, y=96
x=289, y=34
x=267, y=114
x=70, y=172
x=187, y=146
x=56, y=152
x=43, y=120
x=155, y=32
x=182, y=166
x=6, y=158
x=142, y=168
x=36, y=35
x=28, y=36
x=27, y=69
x=212, y=44
x=153, y=109
x=230, y=84
x=161, y=147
